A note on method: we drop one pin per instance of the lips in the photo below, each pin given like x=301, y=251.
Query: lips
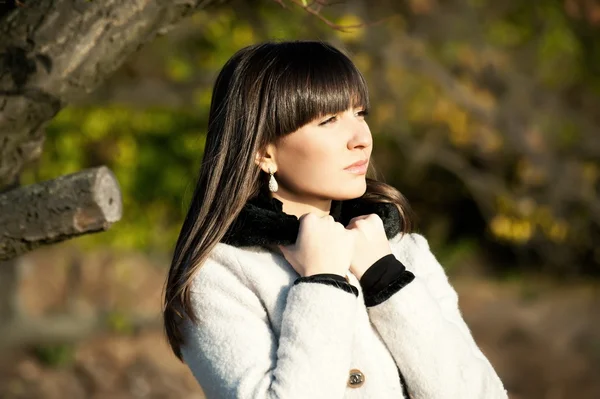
x=357, y=164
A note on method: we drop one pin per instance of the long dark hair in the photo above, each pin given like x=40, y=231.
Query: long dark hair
x=263, y=92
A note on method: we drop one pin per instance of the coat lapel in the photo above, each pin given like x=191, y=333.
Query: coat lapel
x=262, y=221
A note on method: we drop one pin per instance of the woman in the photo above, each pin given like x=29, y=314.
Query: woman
x=294, y=275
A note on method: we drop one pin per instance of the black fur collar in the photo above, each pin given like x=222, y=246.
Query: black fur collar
x=262, y=221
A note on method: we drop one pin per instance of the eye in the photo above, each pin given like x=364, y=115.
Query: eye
x=362, y=113
x=328, y=120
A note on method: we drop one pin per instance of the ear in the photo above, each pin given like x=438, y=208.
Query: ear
x=266, y=158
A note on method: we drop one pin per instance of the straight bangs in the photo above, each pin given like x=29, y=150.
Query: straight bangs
x=313, y=79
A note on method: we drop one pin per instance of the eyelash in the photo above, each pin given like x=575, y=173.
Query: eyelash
x=362, y=113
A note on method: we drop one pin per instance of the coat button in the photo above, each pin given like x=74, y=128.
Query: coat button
x=356, y=379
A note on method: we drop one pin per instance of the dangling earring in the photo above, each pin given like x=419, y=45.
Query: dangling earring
x=273, y=186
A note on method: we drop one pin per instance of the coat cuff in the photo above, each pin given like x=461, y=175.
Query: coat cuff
x=329, y=279
x=383, y=279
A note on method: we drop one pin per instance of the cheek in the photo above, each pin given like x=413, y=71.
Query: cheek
x=304, y=162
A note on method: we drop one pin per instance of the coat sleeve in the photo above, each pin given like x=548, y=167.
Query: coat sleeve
x=234, y=353
x=423, y=329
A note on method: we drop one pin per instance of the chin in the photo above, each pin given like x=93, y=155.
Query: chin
x=351, y=191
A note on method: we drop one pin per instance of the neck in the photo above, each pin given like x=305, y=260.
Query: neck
x=298, y=207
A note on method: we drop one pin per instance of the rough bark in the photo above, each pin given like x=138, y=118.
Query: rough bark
x=55, y=51
x=72, y=205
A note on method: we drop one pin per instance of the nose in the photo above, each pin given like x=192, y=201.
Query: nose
x=360, y=135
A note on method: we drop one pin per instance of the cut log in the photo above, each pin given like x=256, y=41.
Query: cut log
x=57, y=210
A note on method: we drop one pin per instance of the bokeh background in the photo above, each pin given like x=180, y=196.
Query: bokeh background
x=485, y=114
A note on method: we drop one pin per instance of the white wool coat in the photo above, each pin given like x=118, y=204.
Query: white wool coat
x=261, y=336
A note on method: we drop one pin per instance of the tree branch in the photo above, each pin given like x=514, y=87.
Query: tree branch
x=315, y=7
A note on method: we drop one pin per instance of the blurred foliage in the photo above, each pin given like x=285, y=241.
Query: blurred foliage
x=55, y=355
x=484, y=115
x=120, y=322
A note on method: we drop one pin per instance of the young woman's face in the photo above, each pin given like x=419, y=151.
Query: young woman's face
x=313, y=161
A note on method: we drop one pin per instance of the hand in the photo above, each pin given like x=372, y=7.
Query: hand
x=370, y=245
x=322, y=246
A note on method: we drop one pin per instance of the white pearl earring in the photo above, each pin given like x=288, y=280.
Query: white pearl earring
x=273, y=186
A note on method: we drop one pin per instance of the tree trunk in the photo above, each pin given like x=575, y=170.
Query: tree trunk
x=54, y=51
x=45, y=213
x=9, y=290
